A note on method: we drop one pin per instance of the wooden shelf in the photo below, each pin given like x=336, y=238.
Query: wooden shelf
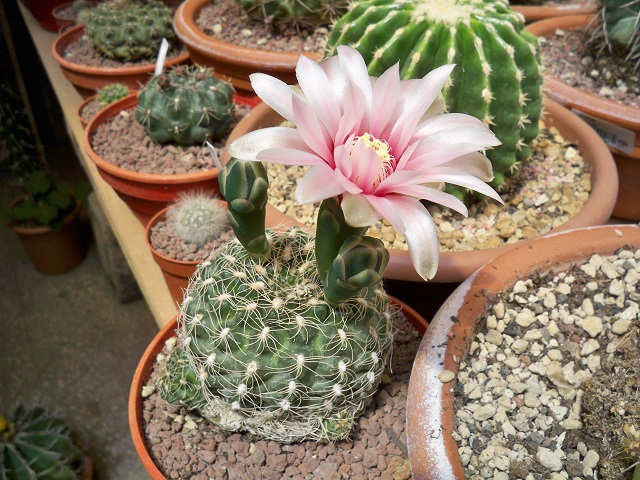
x=127, y=229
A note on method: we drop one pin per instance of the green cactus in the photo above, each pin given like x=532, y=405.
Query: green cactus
x=306, y=14
x=185, y=105
x=197, y=217
x=112, y=92
x=497, y=78
x=619, y=28
x=129, y=30
x=35, y=445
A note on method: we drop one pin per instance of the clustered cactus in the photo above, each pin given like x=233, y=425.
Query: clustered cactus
x=186, y=105
x=619, y=28
x=497, y=76
x=305, y=14
x=36, y=445
x=112, y=92
x=262, y=348
x=197, y=217
x=129, y=30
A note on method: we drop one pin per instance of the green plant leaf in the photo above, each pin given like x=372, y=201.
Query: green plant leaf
x=45, y=214
x=60, y=199
x=37, y=182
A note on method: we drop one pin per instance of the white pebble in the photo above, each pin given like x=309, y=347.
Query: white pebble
x=552, y=459
x=591, y=324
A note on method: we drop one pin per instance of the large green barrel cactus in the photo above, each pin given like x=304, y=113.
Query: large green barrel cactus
x=497, y=78
x=185, y=105
x=300, y=14
x=129, y=30
x=35, y=445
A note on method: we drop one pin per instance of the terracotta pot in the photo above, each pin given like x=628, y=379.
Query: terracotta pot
x=51, y=252
x=606, y=117
x=85, y=102
x=94, y=78
x=64, y=21
x=457, y=266
x=145, y=193
x=42, y=11
x=231, y=62
x=430, y=402
x=533, y=13
x=145, y=366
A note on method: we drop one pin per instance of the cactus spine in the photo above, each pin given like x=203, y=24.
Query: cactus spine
x=197, y=217
x=619, y=28
x=306, y=14
x=112, y=92
x=129, y=30
x=497, y=78
x=185, y=105
x=35, y=445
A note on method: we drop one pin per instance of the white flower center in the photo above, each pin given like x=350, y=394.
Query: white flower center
x=383, y=152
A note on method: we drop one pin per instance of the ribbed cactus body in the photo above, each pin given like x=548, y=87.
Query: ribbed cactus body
x=620, y=23
x=35, y=445
x=296, y=13
x=128, y=30
x=263, y=352
x=186, y=105
x=497, y=78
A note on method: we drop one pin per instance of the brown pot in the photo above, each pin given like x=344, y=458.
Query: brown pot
x=533, y=13
x=457, y=266
x=231, y=62
x=93, y=78
x=54, y=252
x=144, y=193
x=433, y=452
x=606, y=115
x=145, y=366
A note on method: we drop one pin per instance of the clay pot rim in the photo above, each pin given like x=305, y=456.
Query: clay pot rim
x=587, y=102
x=88, y=100
x=457, y=266
x=533, y=13
x=194, y=38
x=143, y=371
x=42, y=229
x=67, y=37
x=430, y=402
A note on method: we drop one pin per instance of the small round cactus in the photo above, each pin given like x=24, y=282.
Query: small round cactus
x=112, y=92
x=497, y=76
x=197, y=217
x=129, y=30
x=306, y=14
x=36, y=445
x=185, y=105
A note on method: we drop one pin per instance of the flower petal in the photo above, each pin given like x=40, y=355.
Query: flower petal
x=249, y=145
x=358, y=211
x=324, y=101
x=311, y=130
x=288, y=156
x=449, y=175
x=354, y=67
x=433, y=195
x=386, y=92
x=474, y=163
x=318, y=184
x=273, y=92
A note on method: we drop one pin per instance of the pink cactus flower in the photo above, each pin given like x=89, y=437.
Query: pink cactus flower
x=378, y=144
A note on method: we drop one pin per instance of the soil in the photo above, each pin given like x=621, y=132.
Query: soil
x=570, y=56
x=183, y=445
x=226, y=21
x=123, y=142
x=65, y=12
x=90, y=109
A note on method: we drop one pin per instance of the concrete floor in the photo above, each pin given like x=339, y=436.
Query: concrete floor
x=67, y=343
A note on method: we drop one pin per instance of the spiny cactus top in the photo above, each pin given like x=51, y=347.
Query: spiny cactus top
x=619, y=27
x=186, y=105
x=284, y=335
x=497, y=76
x=36, y=445
x=112, y=92
x=198, y=217
x=299, y=14
x=129, y=30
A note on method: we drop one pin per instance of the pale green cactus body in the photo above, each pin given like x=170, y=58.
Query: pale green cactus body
x=270, y=356
x=620, y=27
x=129, y=30
x=35, y=445
x=296, y=13
x=197, y=217
x=112, y=92
x=185, y=105
x=497, y=78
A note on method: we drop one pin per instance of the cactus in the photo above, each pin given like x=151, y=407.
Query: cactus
x=197, y=217
x=185, y=105
x=306, y=14
x=497, y=78
x=112, y=92
x=36, y=445
x=619, y=29
x=129, y=30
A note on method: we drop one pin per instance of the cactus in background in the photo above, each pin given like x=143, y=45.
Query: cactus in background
x=619, y=28
x=306, y=14
x=186, y=105
x=129, y=30
x=35, y=445
x=497, y=76
x=112, y=92
x=197, y=217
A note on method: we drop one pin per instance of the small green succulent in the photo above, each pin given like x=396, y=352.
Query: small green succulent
x=197, y=217
x=112, y=92
x=300, y=14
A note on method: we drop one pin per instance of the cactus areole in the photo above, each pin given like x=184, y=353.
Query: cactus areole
x=497, y=76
